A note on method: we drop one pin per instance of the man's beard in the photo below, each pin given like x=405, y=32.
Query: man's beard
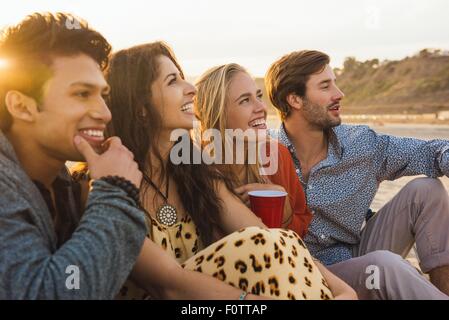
x=318, y=116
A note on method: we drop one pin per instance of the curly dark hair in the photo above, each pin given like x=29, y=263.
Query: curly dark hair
x=30, y=47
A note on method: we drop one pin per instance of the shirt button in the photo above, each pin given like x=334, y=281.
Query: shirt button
x=297, y=170
x=313, y=211
x=310, y=187
x=323, y=236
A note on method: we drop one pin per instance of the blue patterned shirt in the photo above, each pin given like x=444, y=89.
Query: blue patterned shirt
x=341, y=188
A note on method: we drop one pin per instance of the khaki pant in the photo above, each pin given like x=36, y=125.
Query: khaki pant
x=419, y=214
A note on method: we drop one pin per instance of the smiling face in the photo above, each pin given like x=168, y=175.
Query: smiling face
x=172, y=96
x=321, y=104
x=245, y=108
x=72, y=105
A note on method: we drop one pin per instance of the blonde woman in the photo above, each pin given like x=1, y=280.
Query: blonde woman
x=228, y=98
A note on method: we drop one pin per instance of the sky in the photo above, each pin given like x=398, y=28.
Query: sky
x=254, y=33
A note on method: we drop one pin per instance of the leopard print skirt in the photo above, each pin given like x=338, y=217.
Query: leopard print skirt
x=269, y=262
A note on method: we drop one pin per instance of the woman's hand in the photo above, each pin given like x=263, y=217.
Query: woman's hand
x=242, y=191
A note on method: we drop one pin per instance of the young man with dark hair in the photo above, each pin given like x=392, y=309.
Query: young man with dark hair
x=340, y=168
x=52, y=110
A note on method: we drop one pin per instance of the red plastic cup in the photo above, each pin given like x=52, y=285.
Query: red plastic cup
x=268, y=205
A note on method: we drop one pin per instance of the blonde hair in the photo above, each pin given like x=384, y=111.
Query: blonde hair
x=210, y=109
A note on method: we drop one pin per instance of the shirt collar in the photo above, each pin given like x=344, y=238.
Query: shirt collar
x=334, y=141
x=63, y=180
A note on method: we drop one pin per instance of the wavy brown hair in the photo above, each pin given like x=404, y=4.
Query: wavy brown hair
x=290, y=74
x=130, y=74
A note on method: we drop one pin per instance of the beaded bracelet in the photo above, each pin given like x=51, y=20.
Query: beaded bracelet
x=243, y=295
x=124, y=184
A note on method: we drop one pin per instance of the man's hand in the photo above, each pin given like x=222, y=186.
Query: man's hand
x=116, y=160
x=242, y=191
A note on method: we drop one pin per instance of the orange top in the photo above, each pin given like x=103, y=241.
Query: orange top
x=287, y=178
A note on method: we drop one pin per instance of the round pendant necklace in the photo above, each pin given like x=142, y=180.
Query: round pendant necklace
x=166, y=214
